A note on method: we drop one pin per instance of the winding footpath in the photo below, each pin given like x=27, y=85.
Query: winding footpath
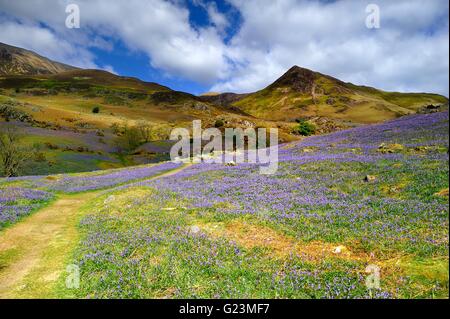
x=34, y=252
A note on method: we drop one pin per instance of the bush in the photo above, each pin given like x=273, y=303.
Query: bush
x=304, y=128
x=96, y=110
x=129, y=140
x=219, y=123
x=12, y=154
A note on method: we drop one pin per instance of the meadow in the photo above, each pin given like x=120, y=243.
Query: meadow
x=373, y=195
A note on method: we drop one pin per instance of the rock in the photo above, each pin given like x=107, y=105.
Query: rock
x=330, y=101
x=370, y=178
x=308, y=150
x=201, y=107
x=246, y=123
x=442, y=193
x=168, y=209
x=390, y=148
x=231, y=163
x=340, y=250
x=422, y=149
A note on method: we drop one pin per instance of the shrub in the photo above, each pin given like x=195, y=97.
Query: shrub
x=12, y=154
x=304, y=128
x=129, y=140
x=219, y=123
x=96, y=110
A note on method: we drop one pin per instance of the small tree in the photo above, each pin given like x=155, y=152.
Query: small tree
x=96, y=110
x=304, y=128
x=145, y=130
x=116, y=128
x=130, y=139
x=12, y=154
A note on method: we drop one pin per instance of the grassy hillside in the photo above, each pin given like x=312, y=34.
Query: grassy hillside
x=74, y=116
x=304, y=93
x=19, y=61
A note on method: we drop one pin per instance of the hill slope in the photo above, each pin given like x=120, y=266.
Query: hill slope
x=56, y=112
x=17, y=61
x=304, y=93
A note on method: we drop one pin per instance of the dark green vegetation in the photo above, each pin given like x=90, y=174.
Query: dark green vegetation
x=304, y=128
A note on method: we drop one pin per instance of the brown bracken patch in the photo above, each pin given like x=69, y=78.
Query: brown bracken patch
x=251, y=236
x=442, y=193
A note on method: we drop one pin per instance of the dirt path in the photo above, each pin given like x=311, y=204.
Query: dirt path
x=33, y=253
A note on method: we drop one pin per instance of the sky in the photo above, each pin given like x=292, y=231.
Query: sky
x=241, y=46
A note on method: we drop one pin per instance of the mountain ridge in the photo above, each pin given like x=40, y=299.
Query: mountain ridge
x=301, y=92
x=298, y=93
x=19, y=61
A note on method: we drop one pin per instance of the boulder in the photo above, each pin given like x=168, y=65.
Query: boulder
x=370, y=178
x=390, y=148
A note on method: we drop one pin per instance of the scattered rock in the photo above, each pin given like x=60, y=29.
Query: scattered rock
x=370, y=178
x=330, y=101
x=231, y=163
x=201, y=107
x=390, y=148
x=340, y=250
x=51, y=146
x=431, y=108
x=246, y=123
x=308, y=150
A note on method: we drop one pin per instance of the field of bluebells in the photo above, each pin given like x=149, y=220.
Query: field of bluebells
x=21, y=196
x=17, y=202
x=371, y=195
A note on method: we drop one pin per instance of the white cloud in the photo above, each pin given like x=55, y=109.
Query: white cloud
x=218, y=19
x=45, y=43
x=159, y=28
x=408, y=53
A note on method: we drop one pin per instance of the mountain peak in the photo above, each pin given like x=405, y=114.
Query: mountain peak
x=298, y=78
x=18, y=61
